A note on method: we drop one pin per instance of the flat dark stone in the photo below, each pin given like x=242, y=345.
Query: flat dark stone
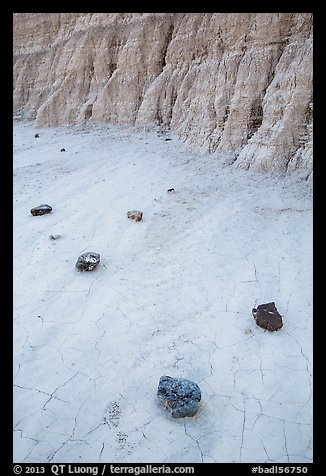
x=170, y=190
x=179, y=396
x=41, y=210
x=88, y=261
x=168, y=138
x=268, y=317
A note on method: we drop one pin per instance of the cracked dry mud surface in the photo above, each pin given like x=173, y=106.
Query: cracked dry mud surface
x=172, y=295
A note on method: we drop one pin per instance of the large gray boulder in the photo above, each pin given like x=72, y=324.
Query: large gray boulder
x=135, y=215
x=179, y=396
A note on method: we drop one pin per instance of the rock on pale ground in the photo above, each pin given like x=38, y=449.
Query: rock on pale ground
x=179, y=396
x=87, y=261
x=172, y=297
x=135, y=215
x=268, y=317
x=41, y=210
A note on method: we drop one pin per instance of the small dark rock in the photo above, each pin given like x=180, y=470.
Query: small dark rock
x=41, y=210
x=179, y=396
x=135, y=215
x=63, y=150
x=36, y=136
x=170, y=190
x=87, y=261
x=168, y=138
x=268, y=317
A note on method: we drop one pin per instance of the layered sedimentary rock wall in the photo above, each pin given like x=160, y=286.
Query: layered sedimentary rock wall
x=236, y=84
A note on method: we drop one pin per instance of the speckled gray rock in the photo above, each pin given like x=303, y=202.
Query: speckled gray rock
x=268, y=317
x=88, y=261
x=41, y=210
x=135, y=215
x=179, y=396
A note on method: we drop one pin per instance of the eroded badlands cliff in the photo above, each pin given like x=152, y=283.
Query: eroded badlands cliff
x=236, y=84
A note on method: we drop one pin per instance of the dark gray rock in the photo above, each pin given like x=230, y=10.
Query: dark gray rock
x=36, y=136
x=88, y=261
x=170, y=190
x=179, y=396
x=41, y=210
x=135, y=215
x=63, y=150
x=268, y=317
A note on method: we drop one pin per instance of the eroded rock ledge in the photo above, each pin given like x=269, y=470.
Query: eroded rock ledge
x=236, y=84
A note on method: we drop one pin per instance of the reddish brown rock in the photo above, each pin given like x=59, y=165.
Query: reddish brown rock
x=268, y=317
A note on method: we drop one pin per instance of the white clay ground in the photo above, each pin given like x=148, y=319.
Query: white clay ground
x=172, y=296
